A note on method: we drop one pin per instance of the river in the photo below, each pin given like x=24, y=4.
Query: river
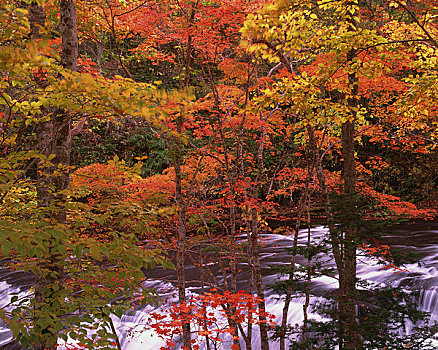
x=133, y=331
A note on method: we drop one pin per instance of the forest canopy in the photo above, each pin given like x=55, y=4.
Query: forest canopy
x=182, y=133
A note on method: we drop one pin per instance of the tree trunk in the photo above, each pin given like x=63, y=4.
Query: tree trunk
x=347, y=275
x=345, y=262
x=231, y=320
x=232, y=179
x=254, y=241
x=264, y=340
x=37, y=20
x=179, y=197
x=288, y=298
x=69, y=34
x=250, y=255
x=54, y=137
x=309, y=278
x=182, y=214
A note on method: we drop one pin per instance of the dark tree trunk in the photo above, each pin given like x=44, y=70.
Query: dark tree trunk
x=347, y=275
x=54, y=137
x=300, y=210
x=254, y=242
x=37, y=19
x=232, y=180
x=69, y=34
x=181, y=229
x=264, y=340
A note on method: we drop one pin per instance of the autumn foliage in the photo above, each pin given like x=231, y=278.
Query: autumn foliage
x=237, y=119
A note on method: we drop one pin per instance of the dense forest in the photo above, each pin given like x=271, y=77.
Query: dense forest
x=184, y=138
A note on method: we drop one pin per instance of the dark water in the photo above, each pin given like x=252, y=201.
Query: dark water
x=133, y=331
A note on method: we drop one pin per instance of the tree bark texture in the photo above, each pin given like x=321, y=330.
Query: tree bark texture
x=182, y=214
x=347, y=275
x=69, y=34
x=37, y=20
x=54, y=137
x=254, y=242
x=264, y=339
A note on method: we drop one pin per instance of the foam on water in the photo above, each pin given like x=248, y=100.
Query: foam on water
x=134, y=329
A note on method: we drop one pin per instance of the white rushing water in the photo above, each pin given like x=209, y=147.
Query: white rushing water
x=134, y=329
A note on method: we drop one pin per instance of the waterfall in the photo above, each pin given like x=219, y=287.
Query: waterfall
x=135, y=333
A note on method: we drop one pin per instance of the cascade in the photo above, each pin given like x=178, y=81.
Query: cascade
x=134, y=334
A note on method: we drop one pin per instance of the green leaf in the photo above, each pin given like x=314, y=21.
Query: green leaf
x=95, y=253
x=14, y=326
x=119, y=313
